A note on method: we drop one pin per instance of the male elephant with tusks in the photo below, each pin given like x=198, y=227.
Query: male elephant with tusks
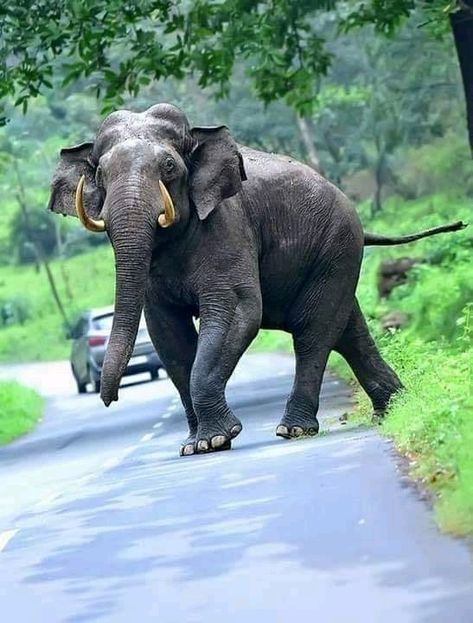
x=204, y=227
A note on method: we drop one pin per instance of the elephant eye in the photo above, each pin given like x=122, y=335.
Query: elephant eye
x=169, y=165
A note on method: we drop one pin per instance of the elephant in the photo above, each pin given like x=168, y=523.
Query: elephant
x=202, y=227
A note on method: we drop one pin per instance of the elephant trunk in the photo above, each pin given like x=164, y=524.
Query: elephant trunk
x=132, y=212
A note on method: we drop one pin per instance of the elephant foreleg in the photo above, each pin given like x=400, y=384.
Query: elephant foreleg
x=229, y=321
x=174, y=336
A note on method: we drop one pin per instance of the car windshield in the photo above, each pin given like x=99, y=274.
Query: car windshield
x=104, y=323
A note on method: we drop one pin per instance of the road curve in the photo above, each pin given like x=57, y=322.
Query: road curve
x=100, y=520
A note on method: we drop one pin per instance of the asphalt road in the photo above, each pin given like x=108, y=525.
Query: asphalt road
x=101, y=520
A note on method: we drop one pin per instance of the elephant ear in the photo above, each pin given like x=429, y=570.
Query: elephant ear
x=73, y=163
x=217, y=169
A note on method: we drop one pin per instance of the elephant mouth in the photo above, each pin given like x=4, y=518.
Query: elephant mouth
x=165, y=219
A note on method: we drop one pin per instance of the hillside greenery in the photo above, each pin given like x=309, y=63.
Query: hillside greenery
x=116, y=49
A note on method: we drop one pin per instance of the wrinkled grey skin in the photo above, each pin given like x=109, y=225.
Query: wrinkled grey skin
x=261, y=241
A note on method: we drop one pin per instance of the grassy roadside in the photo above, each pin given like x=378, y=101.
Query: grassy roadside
x=21, y=409
x=431, y=421
x=84, y=281
x=272, y=341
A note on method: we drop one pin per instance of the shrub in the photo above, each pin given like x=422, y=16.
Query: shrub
x=20, y=410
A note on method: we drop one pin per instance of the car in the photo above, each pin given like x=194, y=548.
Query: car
x=90, y=334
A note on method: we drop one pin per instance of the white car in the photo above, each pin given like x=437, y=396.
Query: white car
x=90, y=334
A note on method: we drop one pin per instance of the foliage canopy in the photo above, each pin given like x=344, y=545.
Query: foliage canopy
x=119, y=47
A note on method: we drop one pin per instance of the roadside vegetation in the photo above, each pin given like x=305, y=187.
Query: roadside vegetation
x=84, y=281
x=431, y=421
x=21, y=409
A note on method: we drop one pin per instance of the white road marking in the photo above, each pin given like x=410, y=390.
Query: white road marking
x=6, y=537
x=175, y=401
x=147, y=437
x=157, y=425
x=166, y=415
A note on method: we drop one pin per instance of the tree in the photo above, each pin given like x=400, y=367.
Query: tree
x=281, y=39
x=32, y=238
x=462, y=28
x=381, y=96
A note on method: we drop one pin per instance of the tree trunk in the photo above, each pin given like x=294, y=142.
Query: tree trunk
x=462, y=27
x=37, y=248
x=306, y=135
x=52, y=283
x=61, y=248
x=335, y=153
x=43, y=261
x=379, y=178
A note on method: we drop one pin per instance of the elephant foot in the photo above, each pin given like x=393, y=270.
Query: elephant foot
x=207, y=441
x=377, y=416
x=299, y=430
x=211, y=442
x=188, y=446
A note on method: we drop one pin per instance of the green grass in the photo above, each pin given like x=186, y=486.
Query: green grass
x=21, y=409
x=42, y=337
x=272, y=341
x=431, y=421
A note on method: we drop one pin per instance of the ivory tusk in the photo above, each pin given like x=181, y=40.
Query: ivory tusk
x=168, y=218
x=88, y=222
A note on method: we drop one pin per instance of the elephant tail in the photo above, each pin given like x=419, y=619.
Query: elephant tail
x=376, y=240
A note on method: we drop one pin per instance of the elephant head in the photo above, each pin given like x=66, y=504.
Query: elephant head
x=142, y=180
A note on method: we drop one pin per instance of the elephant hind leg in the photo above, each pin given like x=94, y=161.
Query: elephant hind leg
x=358, y=348
x=300, y=416
x=316, y=328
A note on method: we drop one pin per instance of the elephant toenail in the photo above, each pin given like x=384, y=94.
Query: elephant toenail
x=282, y=431
x=297, y=431
x=188, y=449
x=236, y=430
x=202, y=445
x=217, y=441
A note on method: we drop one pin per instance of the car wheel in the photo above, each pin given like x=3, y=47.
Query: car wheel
x=94, y=382
x=81, y=387
x=154, y=374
